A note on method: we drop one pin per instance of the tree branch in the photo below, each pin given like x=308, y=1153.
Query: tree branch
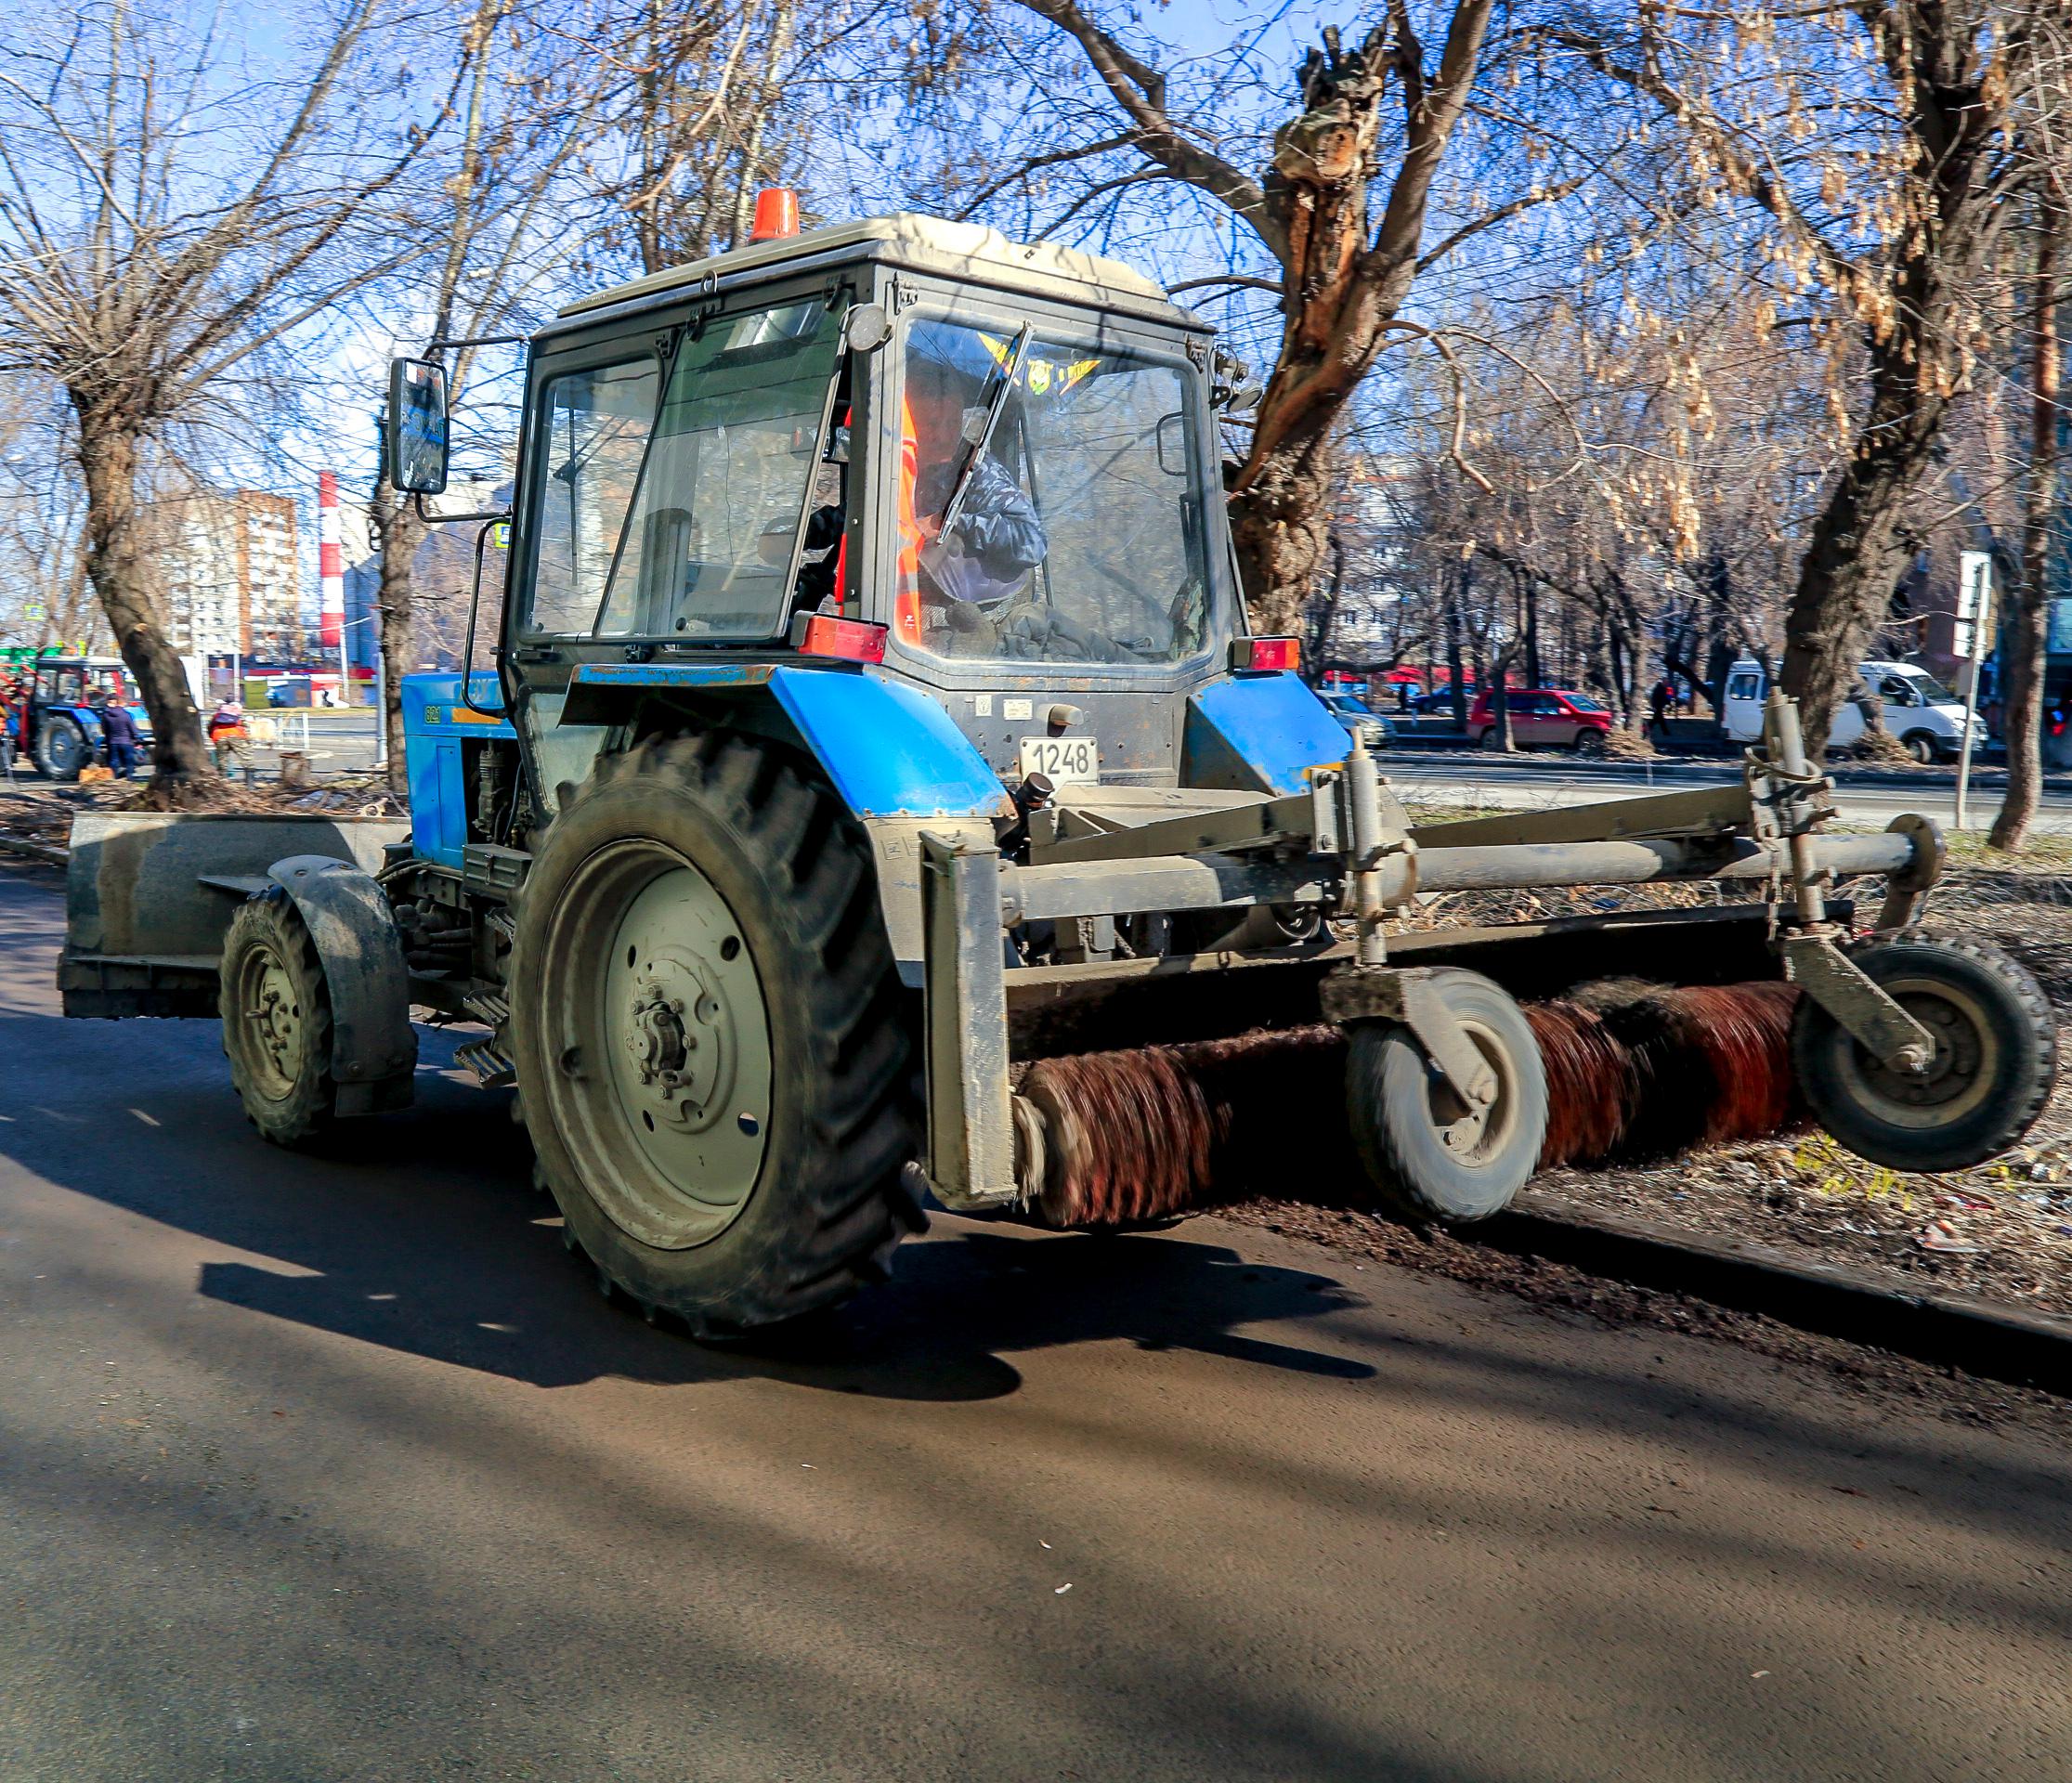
x=1139, y=90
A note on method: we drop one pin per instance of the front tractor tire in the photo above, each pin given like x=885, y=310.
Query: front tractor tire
x=1995, y=1063
x=714, y=1055
x=277, y=1024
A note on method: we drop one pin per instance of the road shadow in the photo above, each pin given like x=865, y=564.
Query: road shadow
x=419, y=1231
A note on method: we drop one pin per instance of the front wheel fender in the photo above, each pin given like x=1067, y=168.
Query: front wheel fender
x=352, y=925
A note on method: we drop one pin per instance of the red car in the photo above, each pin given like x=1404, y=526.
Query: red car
x=1544, y=715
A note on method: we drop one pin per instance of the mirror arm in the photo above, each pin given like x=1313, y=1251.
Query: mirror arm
x=430, y=518
x=474, y=607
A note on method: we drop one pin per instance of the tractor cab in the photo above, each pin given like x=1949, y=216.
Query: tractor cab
x=905, y=449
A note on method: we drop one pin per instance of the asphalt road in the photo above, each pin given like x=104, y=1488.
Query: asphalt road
x=337, y=1468
x=1542, y=779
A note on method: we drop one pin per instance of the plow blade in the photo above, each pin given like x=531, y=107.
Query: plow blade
x=148, y=894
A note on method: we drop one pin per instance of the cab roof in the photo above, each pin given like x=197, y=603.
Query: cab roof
x=966, y=251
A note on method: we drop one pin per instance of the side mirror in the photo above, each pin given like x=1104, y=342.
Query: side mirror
x=417, y=429
x=867, y=328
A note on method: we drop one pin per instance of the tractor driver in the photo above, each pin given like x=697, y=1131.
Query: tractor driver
x=962, y=579
x=998, y=537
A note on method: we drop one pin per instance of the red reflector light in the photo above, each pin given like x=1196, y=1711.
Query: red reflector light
x=822, y=634
x=1281, y=655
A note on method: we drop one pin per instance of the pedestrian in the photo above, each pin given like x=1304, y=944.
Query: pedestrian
x=228, y=738
x=1661, y=703
x=118, y=728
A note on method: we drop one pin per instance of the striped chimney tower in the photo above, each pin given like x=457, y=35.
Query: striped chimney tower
x=331, y=568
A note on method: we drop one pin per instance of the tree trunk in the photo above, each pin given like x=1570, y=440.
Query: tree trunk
x=398, y=532
x=2027, y=631
x=1344, y=287
x=1853, y=561
x=106, y=451
x=1281, y=529
x=1455, y=669
x=1640, y=704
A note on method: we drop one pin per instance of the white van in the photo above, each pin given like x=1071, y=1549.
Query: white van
x=1924, y=714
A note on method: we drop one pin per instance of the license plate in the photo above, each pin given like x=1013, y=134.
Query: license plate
x=1066, y=760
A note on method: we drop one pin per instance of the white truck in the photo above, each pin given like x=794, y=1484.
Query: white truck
x=1924, y=714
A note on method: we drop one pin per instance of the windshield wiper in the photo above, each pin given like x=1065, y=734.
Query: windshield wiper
x=994, y=411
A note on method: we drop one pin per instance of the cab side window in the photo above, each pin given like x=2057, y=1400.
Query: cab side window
x=594, y=433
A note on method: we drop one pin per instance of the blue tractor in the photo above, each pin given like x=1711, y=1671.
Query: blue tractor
x=873, y=712
x=55, y=723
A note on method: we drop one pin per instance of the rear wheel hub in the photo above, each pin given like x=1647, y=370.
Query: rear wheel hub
x=660, y=989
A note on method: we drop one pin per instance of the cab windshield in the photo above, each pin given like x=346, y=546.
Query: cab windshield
x=1050, y=500
x=1928, y=690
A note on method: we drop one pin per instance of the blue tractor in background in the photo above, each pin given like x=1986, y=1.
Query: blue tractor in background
x=56, y=720
x=873, y=719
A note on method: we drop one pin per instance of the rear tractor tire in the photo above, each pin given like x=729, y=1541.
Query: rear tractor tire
x=1995, y=1064
x=714, y=1055
x=277, y=1027
x=1428, y=1153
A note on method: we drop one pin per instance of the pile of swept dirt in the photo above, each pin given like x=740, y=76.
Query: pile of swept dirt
x=35, y=816
x=40, y=814
x=1562, y=1288
x=341, y=796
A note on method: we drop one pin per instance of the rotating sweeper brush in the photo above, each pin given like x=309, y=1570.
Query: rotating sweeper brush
x=1634, y=1073
x=1919, y=1050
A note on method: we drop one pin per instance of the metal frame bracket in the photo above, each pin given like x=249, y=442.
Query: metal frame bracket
x=1862, y=1006
x=971, y=1121
x=1354, y=994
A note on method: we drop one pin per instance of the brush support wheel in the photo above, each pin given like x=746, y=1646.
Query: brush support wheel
x=1431, y=1154
x=1995, y=1063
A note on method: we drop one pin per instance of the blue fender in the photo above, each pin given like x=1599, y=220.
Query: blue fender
x=1258, y=733
x=887, y=748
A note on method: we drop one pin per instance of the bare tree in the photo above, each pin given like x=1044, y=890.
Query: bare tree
x=2029, y=625
x=1879, y=142
x=697, y=112
x=140, y=274
x=1341, y=207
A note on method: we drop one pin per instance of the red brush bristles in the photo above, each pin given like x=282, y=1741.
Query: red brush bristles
x=1152, y=1132
x=1591, y=1083
x=1634, y=1073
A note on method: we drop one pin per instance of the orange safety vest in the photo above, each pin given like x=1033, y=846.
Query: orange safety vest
x=907, y=597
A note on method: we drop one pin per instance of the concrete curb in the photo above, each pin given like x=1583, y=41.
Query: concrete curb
x=48, y=854
x=1949, y=1331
